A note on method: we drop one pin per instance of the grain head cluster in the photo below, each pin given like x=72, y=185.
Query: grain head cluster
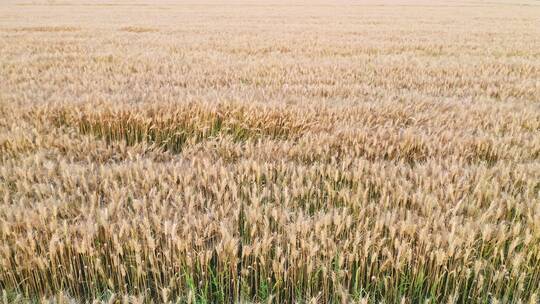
x=270, y=152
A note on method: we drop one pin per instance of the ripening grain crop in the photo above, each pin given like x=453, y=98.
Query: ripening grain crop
x=270, y=151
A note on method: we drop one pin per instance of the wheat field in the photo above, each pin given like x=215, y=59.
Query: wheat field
x=270, y=151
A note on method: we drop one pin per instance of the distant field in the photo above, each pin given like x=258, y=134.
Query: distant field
x=270, y=151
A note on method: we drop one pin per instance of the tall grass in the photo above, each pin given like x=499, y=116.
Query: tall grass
x=246, y=159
